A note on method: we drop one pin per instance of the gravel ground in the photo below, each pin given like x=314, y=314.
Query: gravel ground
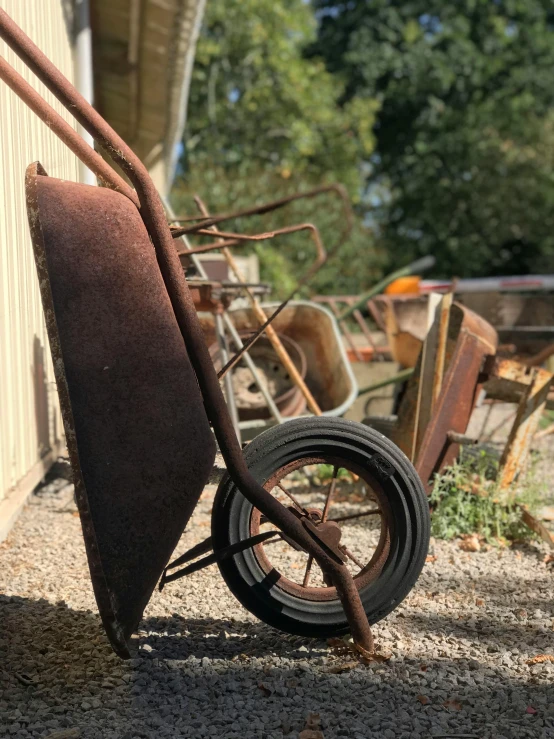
x=205, y=668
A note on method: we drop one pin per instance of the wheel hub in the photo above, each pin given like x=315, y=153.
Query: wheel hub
x=315, y=514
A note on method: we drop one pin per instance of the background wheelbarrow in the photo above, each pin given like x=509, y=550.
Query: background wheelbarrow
x=314, y=332
x=138, y=394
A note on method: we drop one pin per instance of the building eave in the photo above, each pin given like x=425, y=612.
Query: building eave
x=143, y=51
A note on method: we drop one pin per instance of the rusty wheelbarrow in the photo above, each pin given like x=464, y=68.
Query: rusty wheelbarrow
x=138, y=393
x=436, y=404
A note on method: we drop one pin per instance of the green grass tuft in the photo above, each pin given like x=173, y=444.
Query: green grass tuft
x=492, y=514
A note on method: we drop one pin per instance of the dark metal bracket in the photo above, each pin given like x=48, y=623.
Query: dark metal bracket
x=212, y=558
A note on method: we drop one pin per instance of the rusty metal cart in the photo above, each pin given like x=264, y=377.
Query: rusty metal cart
x=139, y=392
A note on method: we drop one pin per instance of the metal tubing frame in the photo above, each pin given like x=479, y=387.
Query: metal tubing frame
x=228, y=239
x=335, y=187
x=153, y=216
x=63, y=130
x=230, y=326
x=270, y=332
x=208, y=222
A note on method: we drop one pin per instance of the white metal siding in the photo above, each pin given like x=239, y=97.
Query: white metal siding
x=30, y=423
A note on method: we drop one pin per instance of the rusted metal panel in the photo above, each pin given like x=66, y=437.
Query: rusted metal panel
x=140, y=444
x=511, y=370
x=471, y=339
x=507, y=380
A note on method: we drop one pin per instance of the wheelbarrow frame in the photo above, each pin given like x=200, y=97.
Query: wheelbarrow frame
x=146, y=198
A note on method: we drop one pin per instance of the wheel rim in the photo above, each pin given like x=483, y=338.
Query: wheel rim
x=307, y=581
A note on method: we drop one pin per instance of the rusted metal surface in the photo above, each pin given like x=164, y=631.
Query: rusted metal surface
x=402, y=318
x=428, y=430
x=507, y=379
x=434, y=412
x=207, y=223
x=200, y=269
x=471, y=340
x=369, y=571
x=215, y=298
x=337, y=189
x=456, y=438
x=153, y=217
x=500, y=370
x=472, y=363
x=140, y=444
x=210, y=296
x=234, y=239
x=207, y=226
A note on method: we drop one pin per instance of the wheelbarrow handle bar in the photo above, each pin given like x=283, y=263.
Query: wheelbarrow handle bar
x=154, y=218
x=335, y=187
x=64, y=131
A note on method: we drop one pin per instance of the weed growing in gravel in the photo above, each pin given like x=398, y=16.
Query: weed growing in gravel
x=466, y=500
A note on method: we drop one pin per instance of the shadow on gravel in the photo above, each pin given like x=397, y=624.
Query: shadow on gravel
x=231, y=679
x=179, y=637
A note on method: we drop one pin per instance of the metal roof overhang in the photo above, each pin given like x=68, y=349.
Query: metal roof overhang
x=143, y=51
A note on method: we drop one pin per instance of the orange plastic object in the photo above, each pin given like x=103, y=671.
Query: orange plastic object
x=404, y=286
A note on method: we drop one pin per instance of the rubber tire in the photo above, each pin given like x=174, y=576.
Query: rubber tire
x=410, y=529
x=385, y=425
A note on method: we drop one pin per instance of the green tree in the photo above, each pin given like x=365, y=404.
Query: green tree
x=464, y=138
x=263, y=122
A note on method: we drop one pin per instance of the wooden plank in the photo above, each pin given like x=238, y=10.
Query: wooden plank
x=530, y=409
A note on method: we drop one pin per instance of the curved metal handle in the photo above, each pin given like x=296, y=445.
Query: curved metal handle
x=64, y=132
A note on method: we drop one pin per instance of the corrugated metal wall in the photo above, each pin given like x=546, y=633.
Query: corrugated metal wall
x=30, y=424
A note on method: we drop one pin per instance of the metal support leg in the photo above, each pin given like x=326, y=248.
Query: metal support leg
x=353, y=608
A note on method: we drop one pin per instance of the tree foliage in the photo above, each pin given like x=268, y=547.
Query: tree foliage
x=464, y=131
x=263, y=122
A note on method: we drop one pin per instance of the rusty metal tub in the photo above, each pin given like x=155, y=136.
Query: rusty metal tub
x=140, y=444
x=329, y=375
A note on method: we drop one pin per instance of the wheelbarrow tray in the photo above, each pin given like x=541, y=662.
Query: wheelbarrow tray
x=139, y=441
x=329, y=375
